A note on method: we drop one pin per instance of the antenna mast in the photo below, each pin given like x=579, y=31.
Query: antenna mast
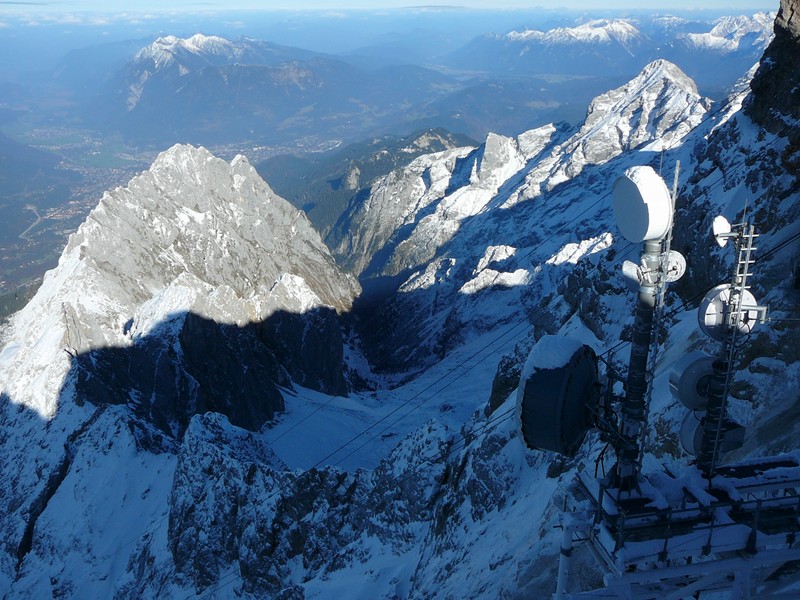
x=643, y=208
x=727, y=311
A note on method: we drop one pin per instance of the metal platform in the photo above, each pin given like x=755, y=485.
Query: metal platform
x=677, y=536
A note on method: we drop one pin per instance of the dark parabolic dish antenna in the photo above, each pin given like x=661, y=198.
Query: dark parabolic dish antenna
x=559, y=395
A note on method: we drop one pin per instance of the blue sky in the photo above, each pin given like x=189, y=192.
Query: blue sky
x=150, y=5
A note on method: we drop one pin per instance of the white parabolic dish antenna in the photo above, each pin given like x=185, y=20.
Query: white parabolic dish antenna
x=642, y=205
x=711, y=314
x=676, y=266
x=720, y=228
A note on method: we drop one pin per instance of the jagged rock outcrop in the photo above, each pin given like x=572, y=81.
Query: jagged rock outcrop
x=775, y=102
x=191, y=235
x=661, y=105
x=395, y=203
x=283, y=526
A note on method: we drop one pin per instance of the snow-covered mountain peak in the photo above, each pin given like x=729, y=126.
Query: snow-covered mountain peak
x=597, y=31
x=173, y=56
x=192, y=234
x=736, y=27
x=660, y=105
x=422, y=207
x=206, y=43
x=730, y=33
x=663, y=69
x=619, y=30
x=653, y=111
x=166, y=50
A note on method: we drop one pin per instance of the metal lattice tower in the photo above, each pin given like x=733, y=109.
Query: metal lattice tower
x=740, y=314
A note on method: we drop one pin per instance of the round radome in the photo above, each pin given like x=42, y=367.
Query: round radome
x=642, y=205
x=711, y=313
x=691, y=434
x=558, y=395
x=689, y=378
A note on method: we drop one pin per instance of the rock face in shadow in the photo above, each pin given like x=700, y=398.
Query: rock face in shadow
x=776, y=84
x=308, y=346
x=189, y=366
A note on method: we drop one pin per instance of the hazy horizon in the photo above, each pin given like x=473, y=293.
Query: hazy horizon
x=114, y=6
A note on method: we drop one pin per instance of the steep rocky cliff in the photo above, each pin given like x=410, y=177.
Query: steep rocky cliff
x=775, y=102
x=471, y=232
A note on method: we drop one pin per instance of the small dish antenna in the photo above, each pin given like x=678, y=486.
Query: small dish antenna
x=722, y=230
x=642, y=205
x=714, y=310
x=691, y=434
x=632, y=275
x=675, y=266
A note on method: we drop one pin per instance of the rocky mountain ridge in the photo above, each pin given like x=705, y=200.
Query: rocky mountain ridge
x=324, y=185
x=427, y=223
x=596, y=31
x=171, y=285
x=192, y=234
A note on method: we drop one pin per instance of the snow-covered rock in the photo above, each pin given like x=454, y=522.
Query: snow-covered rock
x=170, y=58
x=168, y=50
x=170, y=286
x=192, y=234
x=658, y=107
x=713, y=52
x=729, y=34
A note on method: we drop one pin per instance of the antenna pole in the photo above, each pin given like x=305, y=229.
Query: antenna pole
x=633, y=406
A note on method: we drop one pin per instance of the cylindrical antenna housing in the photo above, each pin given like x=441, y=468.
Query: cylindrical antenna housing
x=689, y=379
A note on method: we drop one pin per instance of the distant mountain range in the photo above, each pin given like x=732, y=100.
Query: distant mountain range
x=211, y=90
x=714, y=53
